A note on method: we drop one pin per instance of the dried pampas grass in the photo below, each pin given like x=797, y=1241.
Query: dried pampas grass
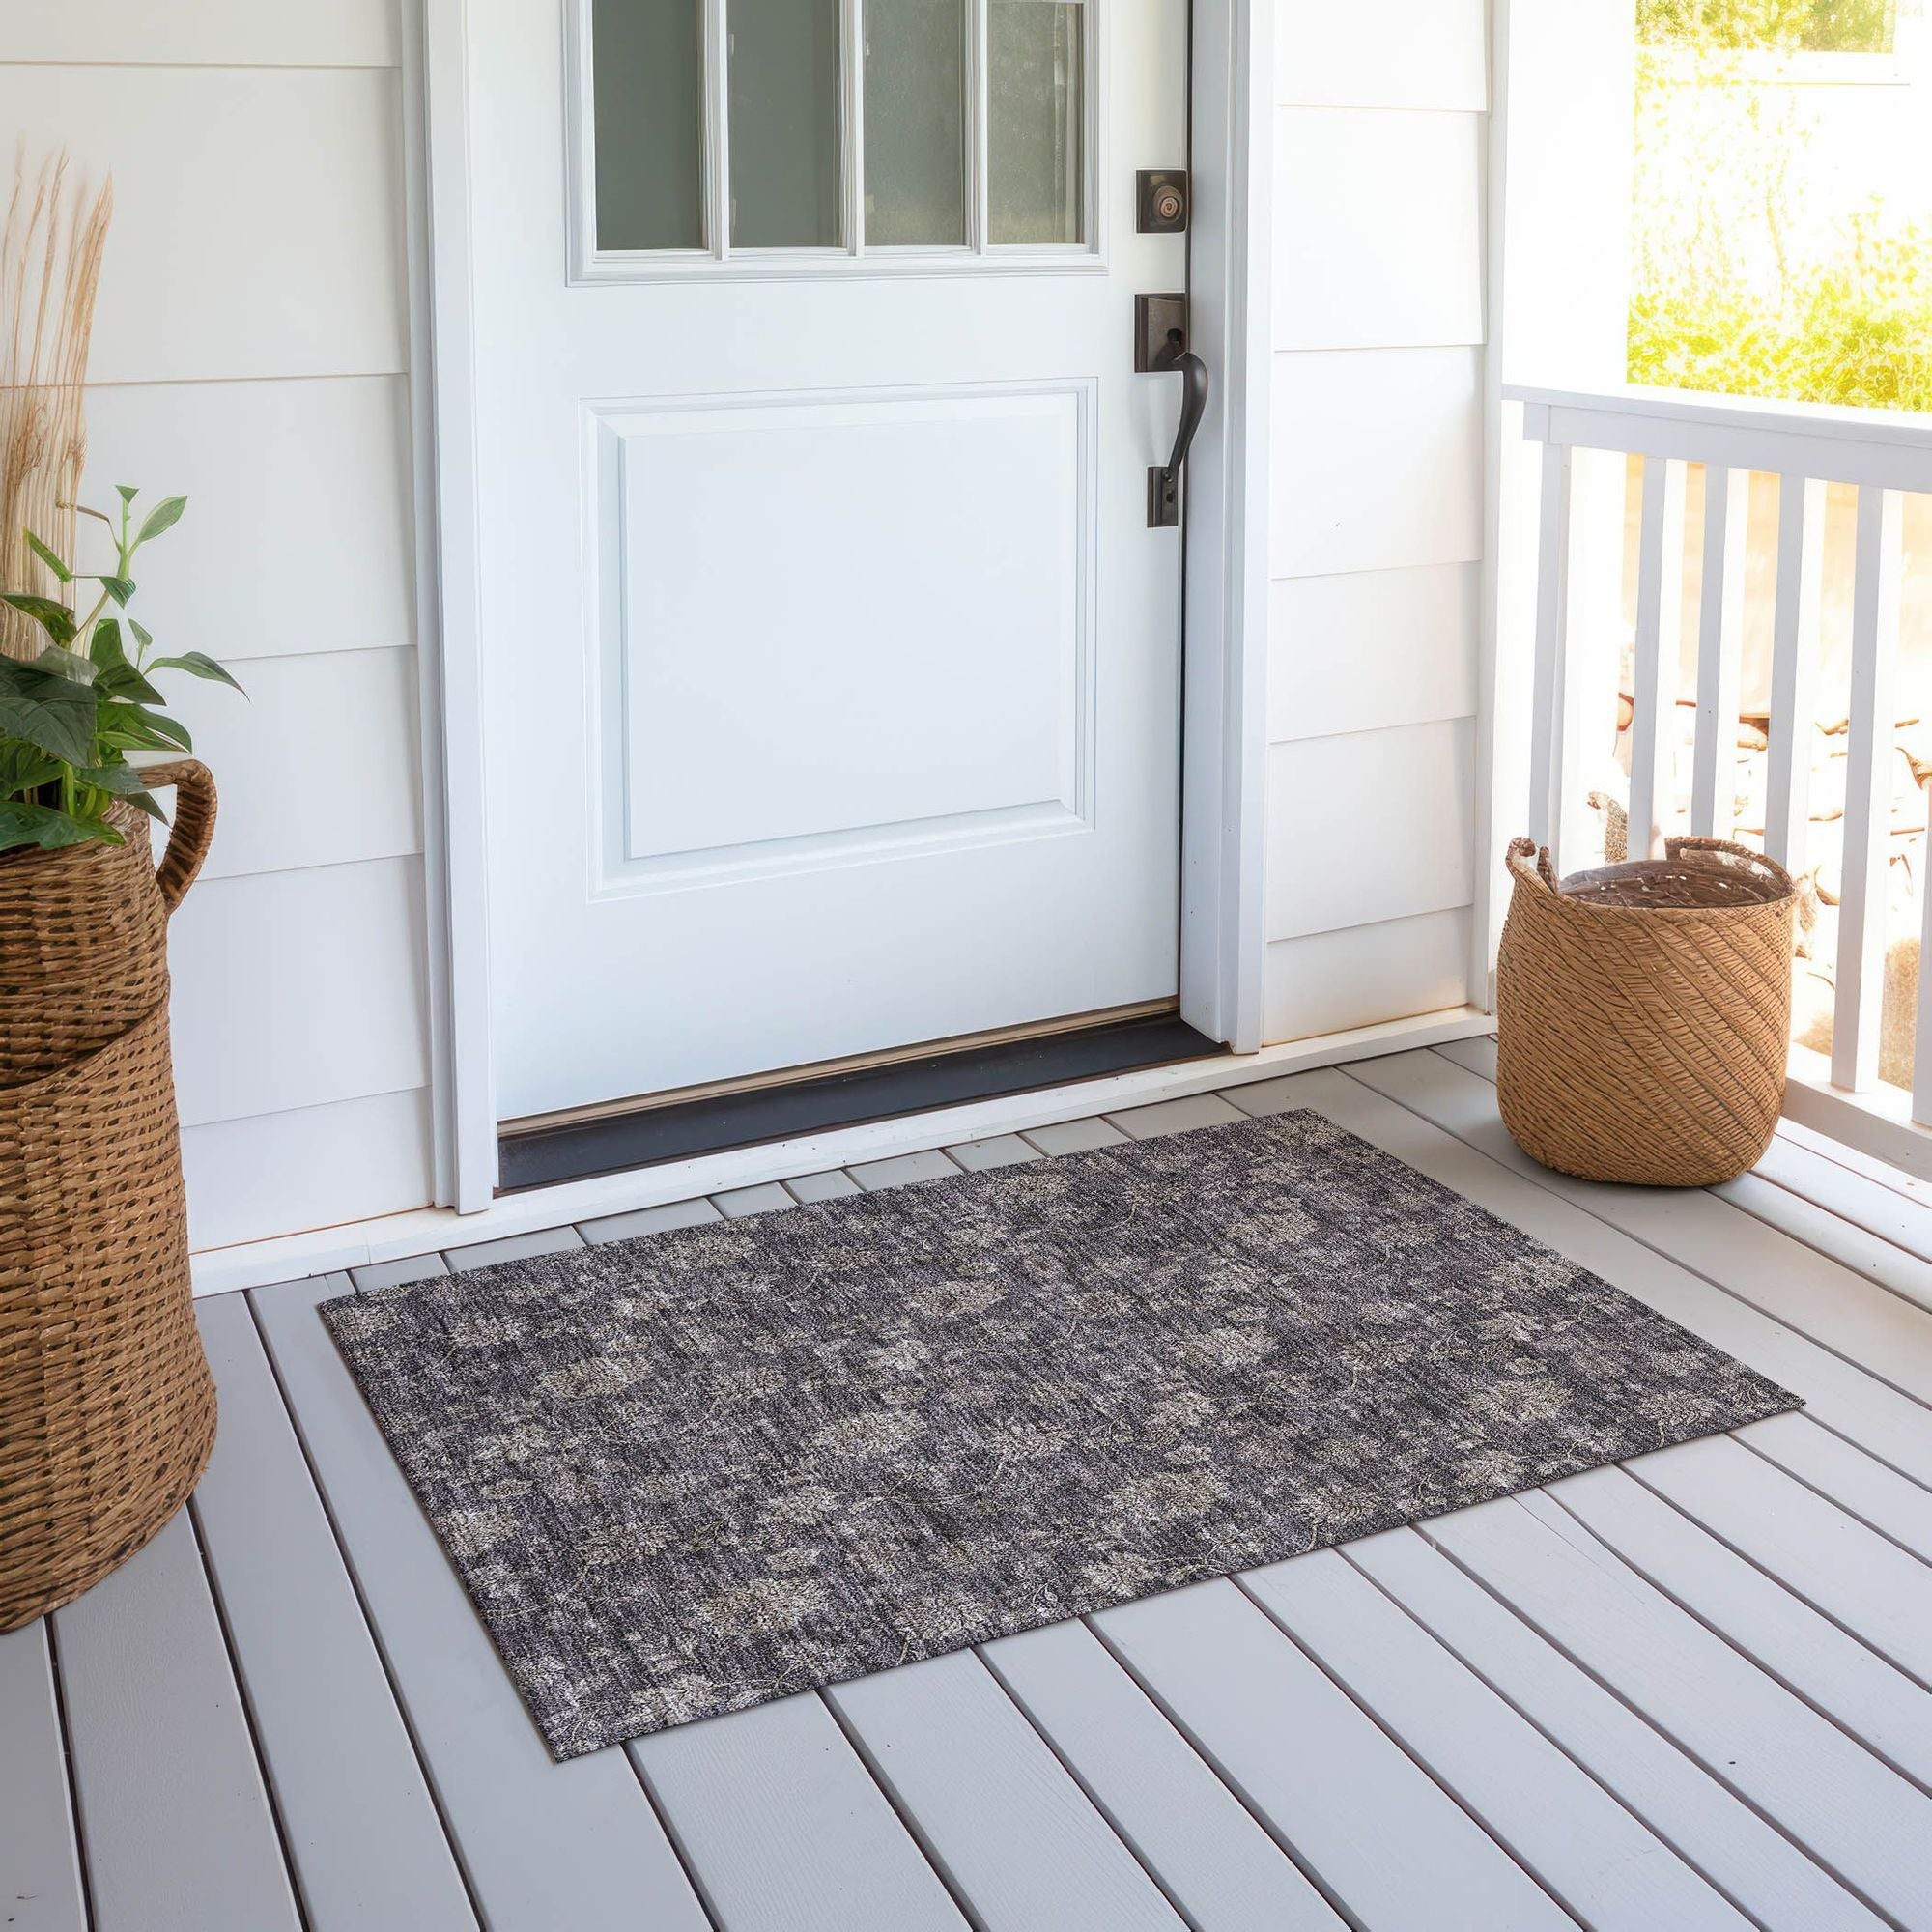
x=50, y=251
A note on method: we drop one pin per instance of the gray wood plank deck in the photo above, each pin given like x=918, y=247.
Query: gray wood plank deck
x=1738, y=1852
x=1217, y=1863
x=1830, y=1466
x=1392, y=1845
x=1590, y=1853
x=1694, y=1693
x=315, y=1683
x=40, y=1859
x=1828, y=1667
x=176, y=1823
x=826, y=1851
x=1018, y=1841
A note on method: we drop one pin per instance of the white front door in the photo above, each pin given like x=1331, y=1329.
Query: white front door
x=832, y=668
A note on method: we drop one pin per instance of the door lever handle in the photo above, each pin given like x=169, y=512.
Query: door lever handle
x=1164, y=481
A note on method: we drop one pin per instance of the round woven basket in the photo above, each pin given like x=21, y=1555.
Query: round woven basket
x=1644, y=1013
x=106, y=1404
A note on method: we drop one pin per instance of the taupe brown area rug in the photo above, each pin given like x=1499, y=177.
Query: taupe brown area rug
x=685, y=1474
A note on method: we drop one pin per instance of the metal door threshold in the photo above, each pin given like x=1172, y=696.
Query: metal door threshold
x=613, y=1143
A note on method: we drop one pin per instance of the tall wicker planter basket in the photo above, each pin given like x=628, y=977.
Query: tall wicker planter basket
x=1644, y=1013
x=106, y=1406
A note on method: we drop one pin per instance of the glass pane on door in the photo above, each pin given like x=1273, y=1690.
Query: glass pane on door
x=784, y=57
x=648, y=58
x=1036, y=113
x=915, y=122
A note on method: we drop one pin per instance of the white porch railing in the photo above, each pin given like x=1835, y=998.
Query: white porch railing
x=1745, y=447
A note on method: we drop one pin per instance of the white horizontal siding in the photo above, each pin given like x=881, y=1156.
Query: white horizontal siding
x=1326, y=981
x=315, y=766
x=1398, y=53
x=1371, y=648
x=1411, y=275
x=250, y=351
x=283, y=1174
x=1370, y=826
x=1375, y=491
x=258, y=214
x=216, y=33
x=297, y=537
x=299, y=988
x=1378, y=460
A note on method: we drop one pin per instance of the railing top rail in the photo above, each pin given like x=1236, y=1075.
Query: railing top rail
x=1909, y=427
x=1891, y=448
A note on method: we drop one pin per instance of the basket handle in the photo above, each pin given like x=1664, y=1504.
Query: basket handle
x=193, y=828
x=1543, y=872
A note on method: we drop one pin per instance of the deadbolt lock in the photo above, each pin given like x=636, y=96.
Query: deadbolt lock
x=1162, y=199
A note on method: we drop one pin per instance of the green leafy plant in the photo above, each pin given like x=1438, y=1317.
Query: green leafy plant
x=71, y=714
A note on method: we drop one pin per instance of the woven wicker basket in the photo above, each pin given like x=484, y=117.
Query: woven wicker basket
x=106, y=1406
x=1644, y=1013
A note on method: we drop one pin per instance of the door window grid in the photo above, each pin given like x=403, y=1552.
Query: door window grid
x=998, y=199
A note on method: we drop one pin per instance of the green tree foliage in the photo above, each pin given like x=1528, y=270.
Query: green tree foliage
x=1822, y=26
x=1748, y=278
x=1857, y=331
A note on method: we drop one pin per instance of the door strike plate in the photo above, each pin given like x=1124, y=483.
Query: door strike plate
x=1161, y=199
x=1161, y=331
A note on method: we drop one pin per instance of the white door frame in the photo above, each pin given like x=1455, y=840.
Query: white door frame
x=1224, y=725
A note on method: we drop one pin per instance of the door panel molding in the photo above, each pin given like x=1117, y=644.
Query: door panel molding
x=652, y=579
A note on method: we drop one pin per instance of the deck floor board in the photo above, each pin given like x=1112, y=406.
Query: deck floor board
x=315, y=1682
x=1691, y=1692
x=1218, y=1865
x=998, y=1814
x=176, y=1825
x=829, y=1851
x=41, y=1888
x=1827, y=1464
x=1827, y=1666
x=1393, y=1846
x=1858, y=1818
x=1588, y=1849
x=1857, y=1578
x=1741, y=1853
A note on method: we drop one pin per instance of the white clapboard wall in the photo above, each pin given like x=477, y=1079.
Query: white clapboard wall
x=251, y=350
x=1377, y=495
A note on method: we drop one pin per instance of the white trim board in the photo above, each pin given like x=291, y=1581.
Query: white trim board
x=464, y=1100
x=1223, y=950
x=427, y=1230
x=1224, y=658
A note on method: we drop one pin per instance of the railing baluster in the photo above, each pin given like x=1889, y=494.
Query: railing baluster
x=1659, y=605
x=1721, y=627
x=1921, y=1037
x=1858, y=1003
x=1593, y=649
x=1552, y=623
x=1794, y=652
x=1885, y=457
